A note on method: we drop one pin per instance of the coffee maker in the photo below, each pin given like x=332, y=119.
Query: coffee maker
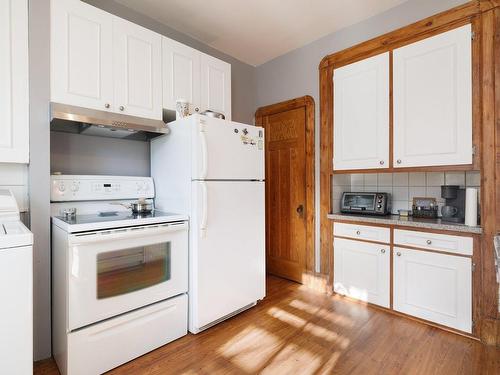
x=454, y=208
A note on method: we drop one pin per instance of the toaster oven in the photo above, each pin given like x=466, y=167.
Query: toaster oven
x=365, y=203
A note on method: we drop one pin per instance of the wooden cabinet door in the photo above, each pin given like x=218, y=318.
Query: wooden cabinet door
x=14, y=95
x=181, y=74
x=362, y=271
x=433, y=101
x=137, y=70
x=361, y=114
x=433, y=286
x=215, y=85
x=81, y=55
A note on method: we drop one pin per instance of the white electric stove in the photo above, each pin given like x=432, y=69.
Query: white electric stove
x=118, y=277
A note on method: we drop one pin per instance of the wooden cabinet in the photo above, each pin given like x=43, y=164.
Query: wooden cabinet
x=361, y=114
x=433, y=286
x=181, y=74
x=362, y=271
x=433, y=101
x=14, y=87
x=215, y=85
x=137, y=70
x=81, y=55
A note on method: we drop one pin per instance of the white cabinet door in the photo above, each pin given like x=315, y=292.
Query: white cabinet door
x=137, y=70
x=362, y=271
x=215, y=85
x=181, y=74
x=14, y=96
x=433, y=101
x=361, y=114
x=81, y=55
x=434, y=287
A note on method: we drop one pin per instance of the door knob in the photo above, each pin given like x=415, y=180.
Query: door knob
x=300, y=210
x=106, y=105
x=122, y=108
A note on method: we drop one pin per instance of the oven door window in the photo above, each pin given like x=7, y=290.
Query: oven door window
x=124, y=271
x=360, y=202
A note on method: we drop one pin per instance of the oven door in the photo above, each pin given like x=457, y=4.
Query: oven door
x=115, y=271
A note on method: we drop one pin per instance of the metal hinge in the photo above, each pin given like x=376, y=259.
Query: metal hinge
x=474, y=149
x=473, y=35
x=473, y=323
x=473, y=267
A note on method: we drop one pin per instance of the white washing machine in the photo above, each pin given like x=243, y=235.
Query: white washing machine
x=16, y=289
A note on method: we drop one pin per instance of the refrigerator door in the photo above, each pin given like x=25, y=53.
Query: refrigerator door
x=226, y=150
x=227, y=256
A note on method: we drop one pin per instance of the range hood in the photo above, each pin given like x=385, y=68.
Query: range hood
x=79, y=120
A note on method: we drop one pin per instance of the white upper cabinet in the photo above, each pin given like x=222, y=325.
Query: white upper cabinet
x=433, y=286
x=361, y=114
x=215, y=85
x=137, y=70
x=433, y=101
x=181, y=74
x=14, y=87
x=81, y=55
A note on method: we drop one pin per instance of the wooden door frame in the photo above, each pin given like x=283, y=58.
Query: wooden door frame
x=307, y=102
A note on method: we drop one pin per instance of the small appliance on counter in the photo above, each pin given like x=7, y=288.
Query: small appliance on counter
x=365, y=203
x=454, y=208
x=425, y=208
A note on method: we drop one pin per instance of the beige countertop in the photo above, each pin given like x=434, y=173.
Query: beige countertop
x=436, y=224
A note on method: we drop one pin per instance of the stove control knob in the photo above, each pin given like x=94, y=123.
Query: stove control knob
x=61, y=187
x=379, y=206
x=74, y=187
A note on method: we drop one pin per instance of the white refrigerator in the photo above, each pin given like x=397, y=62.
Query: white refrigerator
x=213, y=170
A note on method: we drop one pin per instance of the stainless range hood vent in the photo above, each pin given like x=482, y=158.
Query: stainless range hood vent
x=78, y=120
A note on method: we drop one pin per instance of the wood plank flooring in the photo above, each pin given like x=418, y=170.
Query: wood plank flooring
x=299, y=331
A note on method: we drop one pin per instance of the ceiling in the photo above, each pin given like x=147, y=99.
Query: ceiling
x=257, y=31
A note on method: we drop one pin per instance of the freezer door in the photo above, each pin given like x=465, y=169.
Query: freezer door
x=227, y=256
x=226, y=150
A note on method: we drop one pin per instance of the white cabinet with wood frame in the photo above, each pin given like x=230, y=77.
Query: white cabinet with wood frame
x=14, y=88
x=362, y=271
x=432, y=90
x=361, y=114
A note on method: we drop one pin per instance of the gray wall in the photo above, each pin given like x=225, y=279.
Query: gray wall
x=296, y=73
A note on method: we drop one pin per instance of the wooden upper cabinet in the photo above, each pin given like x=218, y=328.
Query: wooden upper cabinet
x=137, y=70
x=215, y=85
x=361, y=114
x=181, y=74
x=14, y=92
x=81, y=55
x=433, y=101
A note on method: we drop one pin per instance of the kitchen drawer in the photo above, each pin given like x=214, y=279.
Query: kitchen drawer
x=362, y=232
x=434, y=241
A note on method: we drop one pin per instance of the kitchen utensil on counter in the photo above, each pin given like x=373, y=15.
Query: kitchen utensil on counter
x=448, y=211
x=454, y=197
x=213, y=114
x=423, y=207
x=471, y=207
x=68, y=212
x=404, y=213
x=181, y=108
x=140, y=207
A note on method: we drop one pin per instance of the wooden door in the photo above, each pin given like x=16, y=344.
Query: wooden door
x=81, y=55
x=434, y=286
x=361, y=114
x=285, y=134
x=362, y=271
x=137, y=70
x=433, y=101
x=181, y=74
x=215, y=85
x=14, y=98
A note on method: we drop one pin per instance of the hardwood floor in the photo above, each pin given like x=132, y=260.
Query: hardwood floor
x=298, y=331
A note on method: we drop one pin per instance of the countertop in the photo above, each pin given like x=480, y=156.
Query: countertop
x=437, y=224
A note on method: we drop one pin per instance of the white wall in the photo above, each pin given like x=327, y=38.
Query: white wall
x=296, y=73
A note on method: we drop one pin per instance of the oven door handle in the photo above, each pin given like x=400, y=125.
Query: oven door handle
x=126, y=233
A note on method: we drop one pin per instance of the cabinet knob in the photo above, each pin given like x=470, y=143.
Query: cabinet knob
x=358, y=232
x=429, y=242
x=381, y=162
x=197, y=109
x=398, y=161
x=382, y=251
x=398, y=254
x=122, y=108
x=106, y=105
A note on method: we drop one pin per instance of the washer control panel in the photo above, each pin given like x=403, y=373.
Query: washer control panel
x=67, y=188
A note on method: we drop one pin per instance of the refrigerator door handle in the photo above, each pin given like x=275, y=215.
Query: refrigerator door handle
x=204, y=208
x=204, y=152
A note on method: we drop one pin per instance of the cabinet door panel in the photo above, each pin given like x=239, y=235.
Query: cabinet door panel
x=361, y=114
x=137, y=65
x=14, y=96
x=81, y=55
x=216, y=85
x=434, y=287
x=181, y=74
x=362, y=271
x=433, y=101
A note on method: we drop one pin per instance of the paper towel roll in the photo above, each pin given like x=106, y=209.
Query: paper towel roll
x=471, y=207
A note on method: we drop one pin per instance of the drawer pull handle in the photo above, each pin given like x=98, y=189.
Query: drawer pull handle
x=429, y=242
x=358, y=232
x=398, y=254
x=382, y=251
